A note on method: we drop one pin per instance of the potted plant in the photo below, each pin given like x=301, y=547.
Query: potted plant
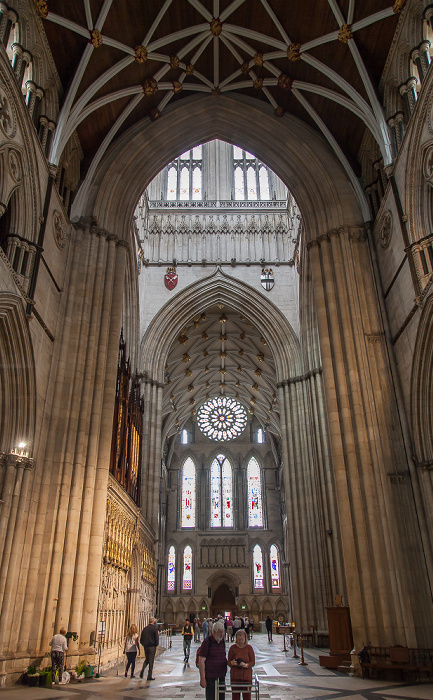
x=88, y=671
x=43, y=676
x=33, y=675
x=79, y=669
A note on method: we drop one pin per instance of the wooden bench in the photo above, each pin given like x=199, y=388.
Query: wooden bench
x=396, y=658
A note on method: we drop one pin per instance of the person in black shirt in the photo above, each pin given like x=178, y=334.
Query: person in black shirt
x=149, y=640
x=187, y=633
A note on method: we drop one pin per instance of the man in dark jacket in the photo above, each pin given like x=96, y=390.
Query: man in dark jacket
x=149, y=640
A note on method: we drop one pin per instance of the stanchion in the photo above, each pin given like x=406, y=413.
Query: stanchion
x=285, y=643
x=302, y=662
x=295, y=656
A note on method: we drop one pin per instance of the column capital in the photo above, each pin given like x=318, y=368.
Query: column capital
x=17, y=49
x=11, y=459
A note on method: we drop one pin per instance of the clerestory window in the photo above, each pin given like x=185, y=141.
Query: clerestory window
x=184, y=176
x=251, y=177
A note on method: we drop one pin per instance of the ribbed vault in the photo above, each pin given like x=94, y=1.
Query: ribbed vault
x=220, y=337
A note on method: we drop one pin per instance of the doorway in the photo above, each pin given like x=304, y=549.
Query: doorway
x=223, y=600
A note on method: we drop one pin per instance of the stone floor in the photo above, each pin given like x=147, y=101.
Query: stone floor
x=280, y=678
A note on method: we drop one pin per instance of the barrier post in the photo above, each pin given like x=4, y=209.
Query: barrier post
x=302, y=662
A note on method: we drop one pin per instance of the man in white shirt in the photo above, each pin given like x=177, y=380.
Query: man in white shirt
x=58, y=646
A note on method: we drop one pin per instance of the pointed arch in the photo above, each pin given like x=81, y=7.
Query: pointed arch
x=258, y=572
x=254, y=489
x=306, y=165
x=188, y=477
x=275, y=563
x=17, y=373
x=171, y=569
x=221, y=491
x=187, y=563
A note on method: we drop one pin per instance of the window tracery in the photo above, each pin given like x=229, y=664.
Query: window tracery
x=251, y=177
x=184, y=176
x=222, y=418
x=258, y=567
x=255, y=503
x=221, y=492
x=187, y=568
x=188, y=494
x=275, y=567
x=171, y=569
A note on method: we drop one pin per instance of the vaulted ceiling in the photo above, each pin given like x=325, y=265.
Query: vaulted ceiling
x=120, y=62
x=219, y=352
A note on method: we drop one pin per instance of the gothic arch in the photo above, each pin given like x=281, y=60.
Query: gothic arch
x=18, y=385
x=220, y=287
x=305, y=164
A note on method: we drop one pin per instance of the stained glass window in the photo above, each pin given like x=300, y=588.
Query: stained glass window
x=222, y=418
x=255, y=507
x=187, y=569
x=258, y=566
x=221, y=493
x=188, y=493
x=275, y=567
x=171, y=569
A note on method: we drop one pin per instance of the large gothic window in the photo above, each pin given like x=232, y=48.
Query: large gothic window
x=275, y=567
x=188, y=494
x=221, y=492
x=171, y=569
x=251, y=177
x=184, y=176
x=258, y=566
x=187, y=569
x=255, y=504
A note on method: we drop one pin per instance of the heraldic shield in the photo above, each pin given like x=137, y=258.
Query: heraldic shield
x=267, y=279
x=170, y=278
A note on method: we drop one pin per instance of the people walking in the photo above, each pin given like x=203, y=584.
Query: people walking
x=131, y=648
x=205, y=628
x=236, y=626
x=187, y=633
x=269, y=626
x=58, y=646
x=213, y=662
x=196, y=630
x=149, y=640
x=241, y=660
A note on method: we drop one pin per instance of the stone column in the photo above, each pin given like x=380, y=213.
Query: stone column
x=16, y=498
x=347, y=311
x=92, y=535
x=8, y=17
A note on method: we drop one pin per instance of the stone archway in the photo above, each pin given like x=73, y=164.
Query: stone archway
x=223, y=600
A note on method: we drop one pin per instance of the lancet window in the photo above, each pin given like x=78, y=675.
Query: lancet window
x=187, y=569
x=275, y=567
x=188, y=494
x=258, y=566
x=184, y=176
x=255, y=501
x=251, y=177
x=221, y=492
x=171, y=569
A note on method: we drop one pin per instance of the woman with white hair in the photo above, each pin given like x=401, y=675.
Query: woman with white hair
x=212, y=661
x=241, y=660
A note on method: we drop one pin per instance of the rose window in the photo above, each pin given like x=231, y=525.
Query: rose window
x=222, y=418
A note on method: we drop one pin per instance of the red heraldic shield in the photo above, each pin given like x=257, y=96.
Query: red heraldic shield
x=170, y=278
